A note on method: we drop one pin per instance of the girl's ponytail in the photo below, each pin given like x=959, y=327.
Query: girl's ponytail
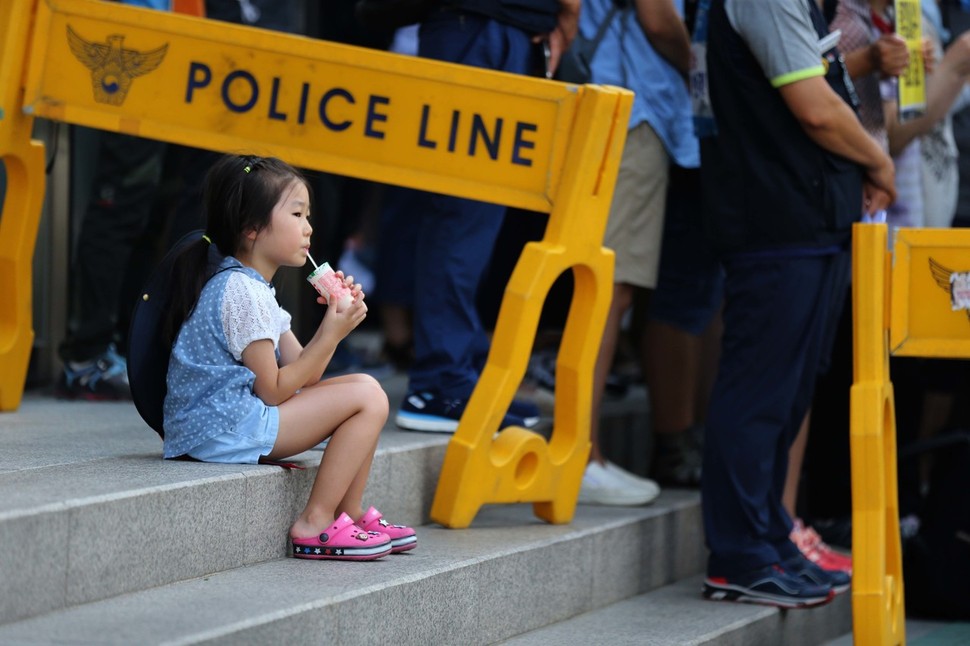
x=193, y=266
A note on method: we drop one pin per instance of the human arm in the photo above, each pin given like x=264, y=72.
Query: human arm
x=782, y=38
x=276, y=383
x=831, y=123
x=942, y=89
x=666, y=31
x=252, y=318
x=560, y=38
x=888, y=55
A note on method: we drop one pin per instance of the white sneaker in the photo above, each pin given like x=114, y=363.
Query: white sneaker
x=604, y=486
x=645, y=484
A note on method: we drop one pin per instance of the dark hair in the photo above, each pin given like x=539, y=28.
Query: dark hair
x=240, y=195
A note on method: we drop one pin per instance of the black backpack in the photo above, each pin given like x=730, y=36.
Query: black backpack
x=148, y=354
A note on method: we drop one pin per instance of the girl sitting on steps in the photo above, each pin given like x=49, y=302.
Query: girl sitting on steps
x=242, y=389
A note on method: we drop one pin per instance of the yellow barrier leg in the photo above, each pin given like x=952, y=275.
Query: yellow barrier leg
x=878, y=615
x=518, y=465
x=23, y=160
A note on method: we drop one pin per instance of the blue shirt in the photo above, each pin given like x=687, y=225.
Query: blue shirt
x=626, y=59
x=210, y=391
x=162, y=5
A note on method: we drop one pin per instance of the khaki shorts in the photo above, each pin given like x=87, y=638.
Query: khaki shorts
x=636, y=222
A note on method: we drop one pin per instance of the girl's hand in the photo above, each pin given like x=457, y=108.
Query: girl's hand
x=337, y=324
x=356, y=289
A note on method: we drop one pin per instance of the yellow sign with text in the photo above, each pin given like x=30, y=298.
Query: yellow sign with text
x=911, y=89
x=460, y=130
x=502, y=138
x=931, y=293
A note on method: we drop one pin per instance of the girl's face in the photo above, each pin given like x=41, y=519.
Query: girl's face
x=286, y=241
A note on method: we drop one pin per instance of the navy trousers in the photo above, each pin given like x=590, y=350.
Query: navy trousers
x=779, y=316
x=455, y=237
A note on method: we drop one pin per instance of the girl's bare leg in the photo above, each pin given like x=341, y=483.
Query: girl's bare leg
x=351, y=411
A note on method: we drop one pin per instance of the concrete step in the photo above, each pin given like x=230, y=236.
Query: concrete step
x=507, y=574
x=677, y=615
x=105, y=543
x=89, y=511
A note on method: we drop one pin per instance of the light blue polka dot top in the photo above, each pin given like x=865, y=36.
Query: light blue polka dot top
x=210, y=391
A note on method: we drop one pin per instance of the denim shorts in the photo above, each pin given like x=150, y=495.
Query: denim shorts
x=252, y=438
x=690, y=283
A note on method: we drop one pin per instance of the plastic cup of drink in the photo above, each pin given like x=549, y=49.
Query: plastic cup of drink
x=330, y=286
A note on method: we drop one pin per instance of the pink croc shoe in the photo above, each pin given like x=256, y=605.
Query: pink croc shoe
x=402, y=538
x=343, y=541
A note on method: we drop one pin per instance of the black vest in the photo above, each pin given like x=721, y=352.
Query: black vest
x=767, y=184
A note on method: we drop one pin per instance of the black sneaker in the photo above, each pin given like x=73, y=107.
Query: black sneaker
x=771, y=586
x=104, y=378
x=542, y=372
x=801, y=566
x=427, y=411
x=677, y=460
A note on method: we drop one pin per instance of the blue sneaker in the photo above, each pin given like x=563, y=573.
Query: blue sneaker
x=771, y=586
x=103, y=378
x=800, y=566
x=527, y=411
x=427, y=411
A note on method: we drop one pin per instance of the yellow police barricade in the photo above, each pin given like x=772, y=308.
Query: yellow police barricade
x=924, y=310
x=503, y=138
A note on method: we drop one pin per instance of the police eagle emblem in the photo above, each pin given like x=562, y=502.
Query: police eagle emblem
x=954, y=283
x=113, y=66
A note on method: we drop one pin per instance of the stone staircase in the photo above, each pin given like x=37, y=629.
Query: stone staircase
x=105, y=543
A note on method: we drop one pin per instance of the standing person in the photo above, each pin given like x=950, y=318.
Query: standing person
x=682, y=335
x=682, y=330
x=873, y=59
x=241, y=388
x=455, y=236
x=646, y=49
x=875, y=56
x=127, y=174
x=788, y=172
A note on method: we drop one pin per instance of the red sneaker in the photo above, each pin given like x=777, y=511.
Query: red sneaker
x=815, y=550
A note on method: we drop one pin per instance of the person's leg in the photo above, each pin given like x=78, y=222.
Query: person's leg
x=681, y=311
x=673, y=369
x=796, y=456
x=801, y=551
x=827, y=458
x=808, y=542
x=395, y=266
x=633, y=231
x=622, y=298
x=351, y=411
x=455, y=239
x=455, y=236
x=767, y=330
x=128, y=173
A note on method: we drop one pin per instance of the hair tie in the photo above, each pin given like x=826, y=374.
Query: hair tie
x=207, y=239
x=247, y=168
